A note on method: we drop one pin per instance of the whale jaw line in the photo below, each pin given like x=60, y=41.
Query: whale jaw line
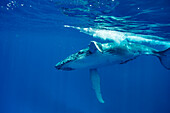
x=60, y=67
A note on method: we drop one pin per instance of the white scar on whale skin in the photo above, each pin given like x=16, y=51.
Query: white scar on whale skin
x=118, y=37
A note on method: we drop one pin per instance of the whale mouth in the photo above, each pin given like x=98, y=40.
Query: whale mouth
x=61, y=67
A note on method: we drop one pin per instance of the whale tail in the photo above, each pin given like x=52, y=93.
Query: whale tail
x=164, y=57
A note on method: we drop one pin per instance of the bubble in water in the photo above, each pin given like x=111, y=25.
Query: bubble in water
x=9, y=5
x=22, y=5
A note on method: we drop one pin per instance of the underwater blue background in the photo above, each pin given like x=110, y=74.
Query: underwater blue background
x=33, y=39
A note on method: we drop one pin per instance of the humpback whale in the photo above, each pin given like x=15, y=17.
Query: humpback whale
x=98, y=55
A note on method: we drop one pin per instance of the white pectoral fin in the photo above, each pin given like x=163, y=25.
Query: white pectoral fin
x=95, y=78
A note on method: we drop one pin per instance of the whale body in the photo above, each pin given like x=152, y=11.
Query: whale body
x=98, y=55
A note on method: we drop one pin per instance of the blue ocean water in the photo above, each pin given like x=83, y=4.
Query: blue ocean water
x=36, y=34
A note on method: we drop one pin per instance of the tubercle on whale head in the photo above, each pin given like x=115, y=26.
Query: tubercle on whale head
x=62, y=65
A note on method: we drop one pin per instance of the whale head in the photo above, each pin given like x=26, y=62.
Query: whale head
x=81, y=59
x=73, y=61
